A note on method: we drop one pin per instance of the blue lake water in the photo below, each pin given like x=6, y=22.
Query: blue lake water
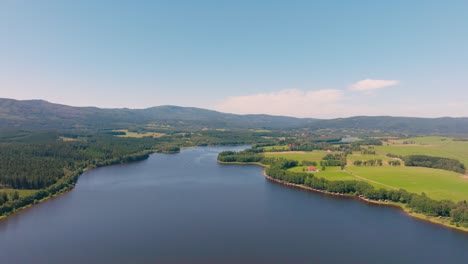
x=186, y=208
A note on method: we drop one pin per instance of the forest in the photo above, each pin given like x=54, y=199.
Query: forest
x=435, y=163
x=43, y=164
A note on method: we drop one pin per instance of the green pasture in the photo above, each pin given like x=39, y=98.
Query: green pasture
x=437, y=184
x=22, y=193
x=299, y=155
x=330, y=173
x=357, y=156
x=430, y=146
x=276, y=148
x=139, y=134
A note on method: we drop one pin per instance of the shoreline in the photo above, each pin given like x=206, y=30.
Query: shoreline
x=65, y=191
x=104, y=163
x=26, y=207
x=430, y=219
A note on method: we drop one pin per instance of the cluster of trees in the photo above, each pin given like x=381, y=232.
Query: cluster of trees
x=372, y=162
x=394, y=163
x=435, y=163
x=308, y=163
x=395, y=156
x=338, y=159
x=420, y=203
x=280, y=172
x=15, y=202
x=366, y=151
x=243, y=156
x=460, y=213
x=368, y=142
x=5, y=197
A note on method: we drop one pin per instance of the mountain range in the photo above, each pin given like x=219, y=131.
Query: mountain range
x=43, y=115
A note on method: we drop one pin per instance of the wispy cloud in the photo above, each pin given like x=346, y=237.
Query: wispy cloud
x=333, y=103
x=368, y=85
x=290, y=102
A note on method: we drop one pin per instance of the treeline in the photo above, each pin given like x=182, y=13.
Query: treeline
x=50, y=163
x=419, y=203
x=331, y=160
x=394, y=163
x=372, y=162
x=243, y=156
x=435, y=163
x=39, y=165
x=11, y=204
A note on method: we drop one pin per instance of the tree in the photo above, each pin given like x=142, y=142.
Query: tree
x=15, y=196
x=3, y=198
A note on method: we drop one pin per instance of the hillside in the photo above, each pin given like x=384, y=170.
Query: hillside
x=42, y=115
x=412, y=125
x=39, y=114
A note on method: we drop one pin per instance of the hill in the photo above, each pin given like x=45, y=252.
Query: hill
x=42, y=115
x=411, y=125
x=39, y=114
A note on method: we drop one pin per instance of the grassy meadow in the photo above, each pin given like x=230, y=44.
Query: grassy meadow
x=299, y=155
x=330, y=173
x=437, y=184
x=357, y=156
x=276, y=148
x=430, y=146
x=139, y=134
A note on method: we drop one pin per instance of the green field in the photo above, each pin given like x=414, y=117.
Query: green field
x=139, y=134
x=437, y=184
x=22, y=193
x=299, y=155
x=276, y=148
x=331, y=173
x=358, y=156
x=430, y=146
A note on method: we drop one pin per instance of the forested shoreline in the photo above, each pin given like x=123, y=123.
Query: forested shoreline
x=277, y=168
x=40, y=165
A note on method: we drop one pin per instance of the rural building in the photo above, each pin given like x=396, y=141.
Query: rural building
x=312, y=169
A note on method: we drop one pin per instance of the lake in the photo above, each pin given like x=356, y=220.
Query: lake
x=186, y=208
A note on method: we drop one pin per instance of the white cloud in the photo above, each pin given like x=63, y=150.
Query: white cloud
x=333, y=103
x=371, y=85
x=290, y=102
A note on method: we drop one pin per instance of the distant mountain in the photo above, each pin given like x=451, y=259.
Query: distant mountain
x=412, y=125
x=42, y=115
x=39, y=114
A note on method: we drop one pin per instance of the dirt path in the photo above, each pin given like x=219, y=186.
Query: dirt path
x=366, y=179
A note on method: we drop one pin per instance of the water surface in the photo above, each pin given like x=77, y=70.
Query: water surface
x=187, y=208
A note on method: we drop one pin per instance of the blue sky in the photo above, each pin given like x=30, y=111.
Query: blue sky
x=302, y=58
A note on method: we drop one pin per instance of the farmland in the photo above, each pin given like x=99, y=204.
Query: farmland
x=437, y=184
x=430, y=146
x=139, y=134
x=299, y=155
